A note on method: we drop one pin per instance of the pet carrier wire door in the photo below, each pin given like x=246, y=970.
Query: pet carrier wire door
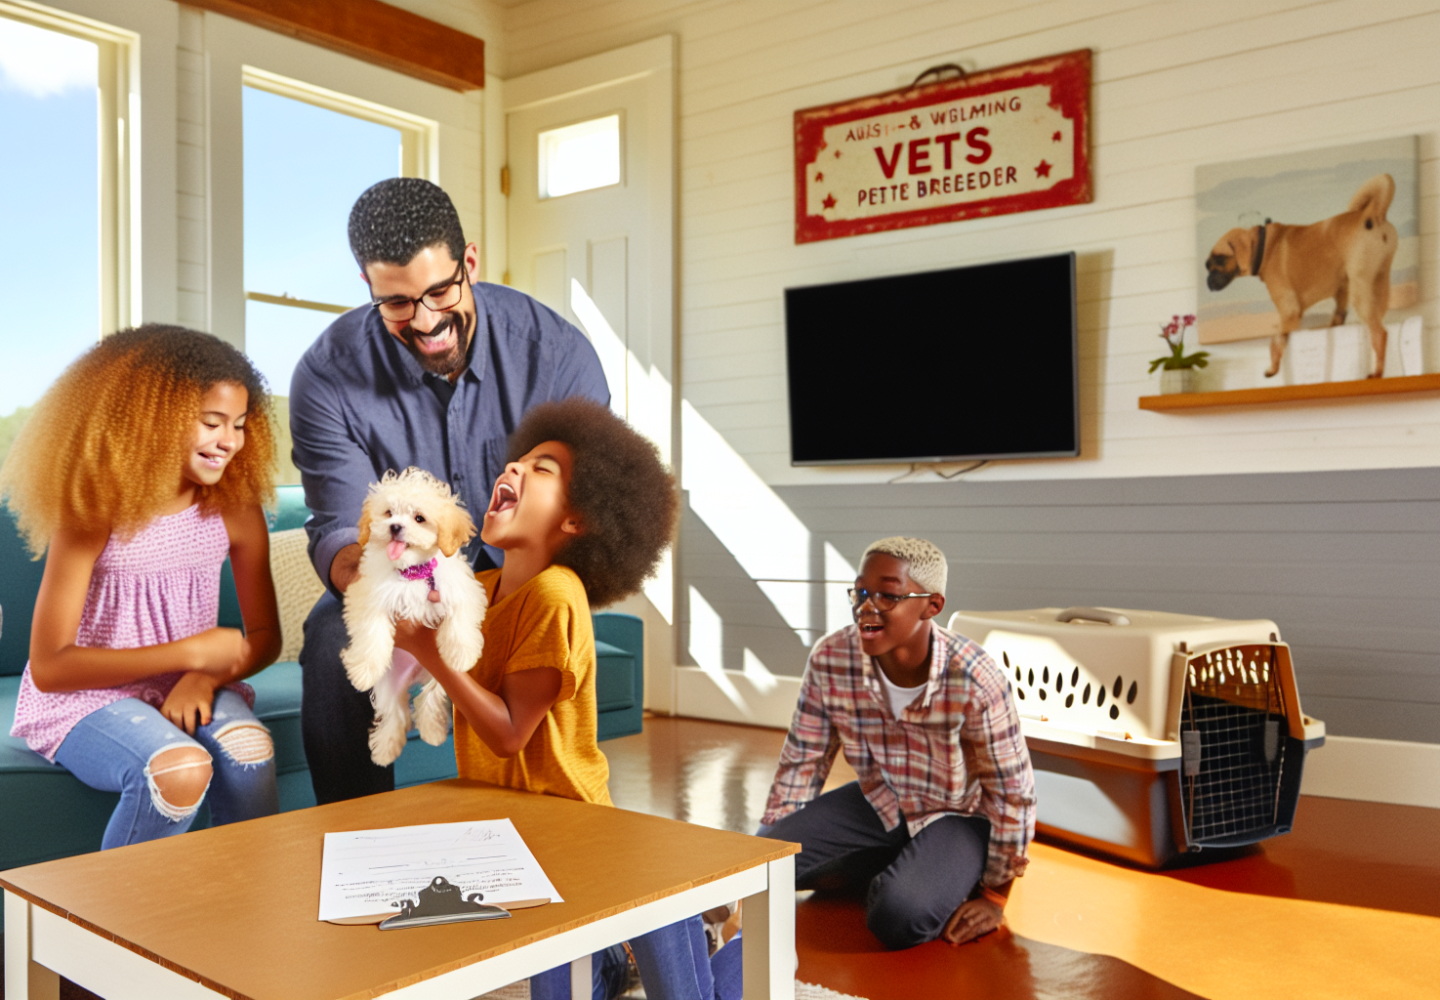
x=1152, y=733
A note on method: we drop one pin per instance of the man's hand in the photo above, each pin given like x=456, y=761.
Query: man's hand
x=345, y=567
x=188, y=705
x=975, y=918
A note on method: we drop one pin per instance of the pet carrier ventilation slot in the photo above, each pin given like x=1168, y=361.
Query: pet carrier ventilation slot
x=1153, y=733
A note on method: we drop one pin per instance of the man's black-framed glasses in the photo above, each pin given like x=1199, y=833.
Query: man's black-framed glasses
x=880, y=600
x=399, y=309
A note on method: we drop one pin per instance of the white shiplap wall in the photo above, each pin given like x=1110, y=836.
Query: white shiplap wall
x=1176, y=85
x=460, y=163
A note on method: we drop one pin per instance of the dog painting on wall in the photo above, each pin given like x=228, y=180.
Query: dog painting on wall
x=1346, y=257
x=1329, y=234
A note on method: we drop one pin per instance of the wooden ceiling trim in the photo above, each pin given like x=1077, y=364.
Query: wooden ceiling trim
x=370, y=30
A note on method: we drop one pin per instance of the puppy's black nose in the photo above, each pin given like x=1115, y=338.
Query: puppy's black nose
x=395, y=530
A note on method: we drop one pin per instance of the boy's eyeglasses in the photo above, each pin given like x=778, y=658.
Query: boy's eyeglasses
x=880, y=600
x=447, y=296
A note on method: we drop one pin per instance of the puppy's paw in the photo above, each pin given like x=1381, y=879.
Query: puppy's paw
x=364, y=672
x=387, y=739
x=432, y=719
x=459, y=643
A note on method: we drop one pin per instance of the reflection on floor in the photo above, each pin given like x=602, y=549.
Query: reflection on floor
x=1346, y=906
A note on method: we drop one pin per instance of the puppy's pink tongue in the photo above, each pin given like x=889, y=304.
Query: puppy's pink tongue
x=395, y=549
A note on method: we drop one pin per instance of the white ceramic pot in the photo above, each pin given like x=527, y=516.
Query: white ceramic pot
x=1174, y=380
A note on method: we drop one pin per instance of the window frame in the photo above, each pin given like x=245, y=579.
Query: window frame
x=417, y=152
x=433, y=122
x=126, y=160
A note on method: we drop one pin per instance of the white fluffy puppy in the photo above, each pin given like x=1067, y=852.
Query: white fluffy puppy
x=411, y=531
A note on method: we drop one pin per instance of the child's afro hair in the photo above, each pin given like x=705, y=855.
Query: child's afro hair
x=622, y=493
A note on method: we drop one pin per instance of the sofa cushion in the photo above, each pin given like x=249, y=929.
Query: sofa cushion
x=19, y=583
x=614, y=677
x=277, y=704
x=296, y=587
x=48, y=812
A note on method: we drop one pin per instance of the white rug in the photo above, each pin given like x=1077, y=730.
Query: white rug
x=803, y=991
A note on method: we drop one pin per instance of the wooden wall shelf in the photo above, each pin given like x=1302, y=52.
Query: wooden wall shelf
x=1292, y=393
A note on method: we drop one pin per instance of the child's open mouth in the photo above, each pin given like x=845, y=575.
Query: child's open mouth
x=505, y=499
x=212, y=461
x=868, y=630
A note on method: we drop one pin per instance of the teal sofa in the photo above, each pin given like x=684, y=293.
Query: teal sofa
x=46, y=813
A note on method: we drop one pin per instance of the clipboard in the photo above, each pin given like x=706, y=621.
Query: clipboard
x=440, y=902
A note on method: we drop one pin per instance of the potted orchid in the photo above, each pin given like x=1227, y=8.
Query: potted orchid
x=1178, y=368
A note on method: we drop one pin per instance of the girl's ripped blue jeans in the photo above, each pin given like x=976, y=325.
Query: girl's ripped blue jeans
x=125, y=747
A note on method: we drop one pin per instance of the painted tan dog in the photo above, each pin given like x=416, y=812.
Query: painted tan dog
x=1346, y=257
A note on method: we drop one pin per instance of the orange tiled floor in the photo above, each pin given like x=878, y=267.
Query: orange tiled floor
x=1347, y=906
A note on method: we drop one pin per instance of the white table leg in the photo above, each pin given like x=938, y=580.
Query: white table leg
x=580, y=979
x=24, y=979
x=769, y=937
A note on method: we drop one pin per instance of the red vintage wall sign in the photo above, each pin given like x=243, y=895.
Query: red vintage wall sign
x=1012, y=139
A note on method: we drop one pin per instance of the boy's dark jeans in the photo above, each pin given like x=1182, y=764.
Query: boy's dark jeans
x=335, y=719
x=913, y=885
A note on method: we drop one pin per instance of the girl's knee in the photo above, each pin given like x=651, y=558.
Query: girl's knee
x=178, y=778
x=245, y=743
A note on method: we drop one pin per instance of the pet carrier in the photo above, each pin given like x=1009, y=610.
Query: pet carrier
x=1153, y=734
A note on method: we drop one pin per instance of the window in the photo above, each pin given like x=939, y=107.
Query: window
x=60, y=184
x=580, y=157
x=307, y=156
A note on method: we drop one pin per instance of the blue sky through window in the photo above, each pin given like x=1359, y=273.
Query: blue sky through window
x=49, y=207
x=304, y=168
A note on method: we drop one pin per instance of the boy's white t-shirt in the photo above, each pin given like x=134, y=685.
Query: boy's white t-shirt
x=900, y=698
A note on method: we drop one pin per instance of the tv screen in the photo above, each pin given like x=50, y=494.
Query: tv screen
x=968, y=363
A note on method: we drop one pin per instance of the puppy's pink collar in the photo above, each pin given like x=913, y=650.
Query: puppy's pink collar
x=424, y=571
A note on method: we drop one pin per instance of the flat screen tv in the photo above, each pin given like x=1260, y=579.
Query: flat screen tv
x=968, y=363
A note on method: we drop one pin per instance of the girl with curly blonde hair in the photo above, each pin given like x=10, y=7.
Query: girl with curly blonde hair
x=141, y=469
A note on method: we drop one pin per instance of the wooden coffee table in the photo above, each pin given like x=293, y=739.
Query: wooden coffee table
x=232, y=911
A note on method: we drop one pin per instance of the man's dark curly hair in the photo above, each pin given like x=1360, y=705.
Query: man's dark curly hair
x=397, y=218
x=622, y=493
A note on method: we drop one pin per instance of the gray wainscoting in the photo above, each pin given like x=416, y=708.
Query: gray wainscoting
x=1347, y=563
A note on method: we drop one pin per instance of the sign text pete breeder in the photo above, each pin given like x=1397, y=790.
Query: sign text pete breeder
x=1012, y=139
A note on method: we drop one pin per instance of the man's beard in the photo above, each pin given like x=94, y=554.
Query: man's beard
x=453, y=360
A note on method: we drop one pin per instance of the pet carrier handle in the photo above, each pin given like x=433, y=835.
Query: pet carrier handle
x=1092, y=615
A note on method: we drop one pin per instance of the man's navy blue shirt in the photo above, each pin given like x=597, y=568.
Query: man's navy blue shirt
x=361, y=404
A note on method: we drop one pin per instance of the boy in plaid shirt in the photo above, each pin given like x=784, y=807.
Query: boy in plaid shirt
x=937, y=825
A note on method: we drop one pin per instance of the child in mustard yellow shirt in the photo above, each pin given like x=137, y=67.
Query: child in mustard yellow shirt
x=583, y=512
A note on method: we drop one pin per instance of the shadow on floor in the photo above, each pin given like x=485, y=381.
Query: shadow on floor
x=1355, y=854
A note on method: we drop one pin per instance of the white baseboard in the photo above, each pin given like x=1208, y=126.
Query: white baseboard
x=1348, y=767
x=732, y=696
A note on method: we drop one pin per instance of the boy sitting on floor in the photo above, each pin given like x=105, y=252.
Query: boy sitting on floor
x=937, y=825
x=583, y=511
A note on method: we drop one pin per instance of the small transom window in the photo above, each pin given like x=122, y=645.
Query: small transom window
x=580, y=157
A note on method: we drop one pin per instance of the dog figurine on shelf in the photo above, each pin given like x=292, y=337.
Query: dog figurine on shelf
x=1345, y=257
x=412, y=529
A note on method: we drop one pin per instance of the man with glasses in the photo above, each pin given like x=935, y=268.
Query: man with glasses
x=436, y=372
x=935, y=829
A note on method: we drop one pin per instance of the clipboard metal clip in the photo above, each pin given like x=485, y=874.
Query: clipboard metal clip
x=441, y=902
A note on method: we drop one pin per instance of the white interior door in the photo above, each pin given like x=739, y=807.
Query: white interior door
x=603, y=256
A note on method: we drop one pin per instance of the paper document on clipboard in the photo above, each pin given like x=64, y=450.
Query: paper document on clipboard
x=364, y=872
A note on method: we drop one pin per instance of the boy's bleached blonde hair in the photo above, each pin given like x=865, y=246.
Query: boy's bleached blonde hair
x=925, y=562
x=105, y=445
